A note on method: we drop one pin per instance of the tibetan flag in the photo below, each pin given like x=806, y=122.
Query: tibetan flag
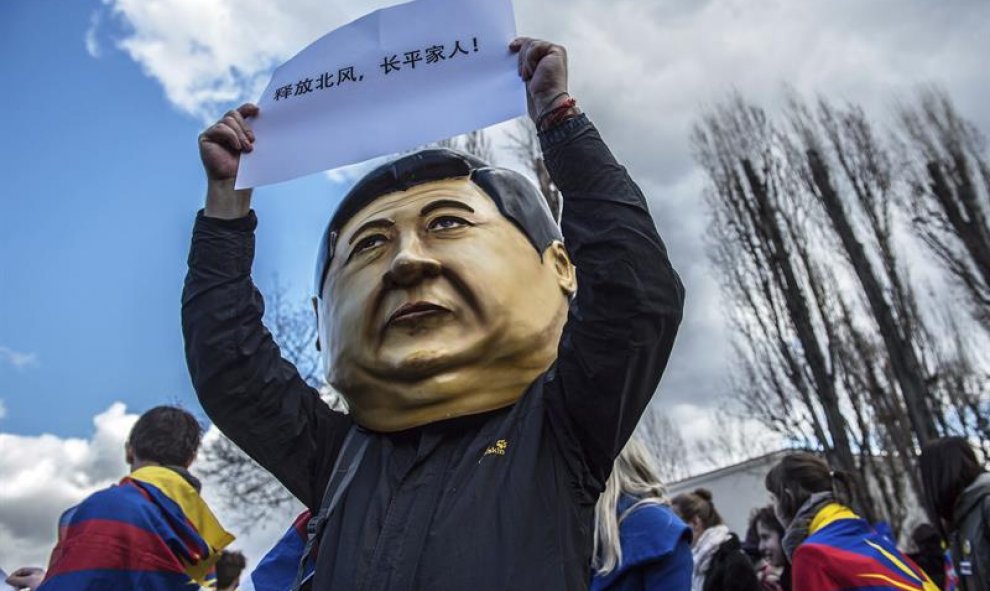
x=951, y=576
x=277, y=570
x=150, y=532
x=843, y=552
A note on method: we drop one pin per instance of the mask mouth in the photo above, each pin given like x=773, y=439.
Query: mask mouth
x=412, y=312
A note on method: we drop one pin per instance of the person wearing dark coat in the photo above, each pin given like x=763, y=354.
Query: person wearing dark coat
x=720, y=564
x=489, y=395
x=957, y=496
x=928, y=553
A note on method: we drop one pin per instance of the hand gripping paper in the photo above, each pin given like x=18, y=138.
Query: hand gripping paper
x=390, y=81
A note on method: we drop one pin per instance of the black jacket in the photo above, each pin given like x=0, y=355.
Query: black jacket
x=970, y=538
x=730, y=569
x=442, y=507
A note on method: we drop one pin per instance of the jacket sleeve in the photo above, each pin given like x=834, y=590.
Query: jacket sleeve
x=249, y=391
x=624, y=317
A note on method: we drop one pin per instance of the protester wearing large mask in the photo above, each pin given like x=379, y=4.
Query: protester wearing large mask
x=492, y=381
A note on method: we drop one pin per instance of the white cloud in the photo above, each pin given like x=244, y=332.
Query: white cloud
x=209, y=55
x=715, y=438
x=17, y=359
x=642, y=70
x=44, y=475
x=92, y=43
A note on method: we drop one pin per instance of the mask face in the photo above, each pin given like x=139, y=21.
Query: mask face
x=435, y=305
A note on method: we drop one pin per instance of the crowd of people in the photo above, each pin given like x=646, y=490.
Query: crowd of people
x=808, y=538
x=152, y=531
x=494, y=380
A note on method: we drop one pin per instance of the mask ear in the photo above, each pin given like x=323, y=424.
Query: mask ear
x=565, y=271
x=316, y=311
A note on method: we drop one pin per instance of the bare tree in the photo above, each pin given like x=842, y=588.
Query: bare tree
x=759, y=235
x=476, y=143
x=834, y=345
x=849, y=174
x=665, y=445
x=734, y=438
x=950, y=176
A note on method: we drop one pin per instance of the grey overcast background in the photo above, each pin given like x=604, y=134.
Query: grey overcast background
x=642, y=69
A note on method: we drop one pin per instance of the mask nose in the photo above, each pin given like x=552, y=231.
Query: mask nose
x=411, y=265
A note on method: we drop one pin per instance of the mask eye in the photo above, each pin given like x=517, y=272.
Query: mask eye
x=447, y=222
x=367, y=243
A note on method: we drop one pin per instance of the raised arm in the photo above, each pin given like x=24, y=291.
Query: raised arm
x=251, y=393
x=623, y=320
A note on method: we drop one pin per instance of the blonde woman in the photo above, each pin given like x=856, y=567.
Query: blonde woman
x=640, y=544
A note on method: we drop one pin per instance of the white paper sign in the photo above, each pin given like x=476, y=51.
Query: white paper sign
x=390, y=81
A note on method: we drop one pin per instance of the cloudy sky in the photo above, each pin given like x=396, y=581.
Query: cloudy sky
x=103, y=100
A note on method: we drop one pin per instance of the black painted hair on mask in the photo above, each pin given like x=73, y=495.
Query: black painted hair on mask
x=518, y=199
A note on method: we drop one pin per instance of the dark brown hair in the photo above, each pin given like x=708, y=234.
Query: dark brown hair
x=768, y=519
x=166, y=435
x=798, y=476
x=948, y=466
x=229, y=568
x=697, y=503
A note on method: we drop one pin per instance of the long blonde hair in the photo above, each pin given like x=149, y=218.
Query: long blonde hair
x=633, y=474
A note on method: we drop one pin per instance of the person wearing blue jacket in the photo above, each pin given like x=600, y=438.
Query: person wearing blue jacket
x=640, y=543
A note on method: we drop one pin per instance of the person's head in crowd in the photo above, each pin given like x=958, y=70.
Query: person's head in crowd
x=164, y=436
x=633, y=475
x=697, y=509
x=929, y=553
x=769, y=532
x=926, y=539
x=750, y=541
x=229, y=568
x=797, y=477
x=439, y=277
x=948, y=465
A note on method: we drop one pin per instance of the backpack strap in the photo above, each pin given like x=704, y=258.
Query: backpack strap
x=344, y=469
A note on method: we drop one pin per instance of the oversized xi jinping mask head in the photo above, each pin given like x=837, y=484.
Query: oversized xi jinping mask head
x=443, y=288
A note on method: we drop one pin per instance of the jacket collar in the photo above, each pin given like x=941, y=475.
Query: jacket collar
x=971, y=496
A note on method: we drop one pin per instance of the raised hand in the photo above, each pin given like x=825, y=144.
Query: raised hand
x=221, y=145
x=543, y=67
x=220, y=149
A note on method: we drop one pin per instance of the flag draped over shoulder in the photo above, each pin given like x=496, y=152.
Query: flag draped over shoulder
x=150, y=532
x=843, y=552
x=277, y=570
x=951, y=577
